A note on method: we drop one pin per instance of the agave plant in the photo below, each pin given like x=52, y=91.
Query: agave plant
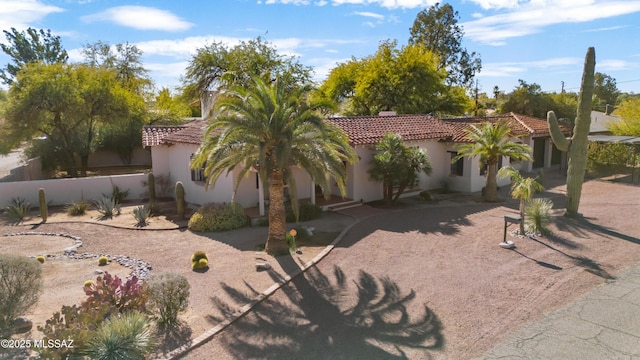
x=125, y=337
x=538, y=215
x=108, y=207
x=17, y=210
x=142, y=214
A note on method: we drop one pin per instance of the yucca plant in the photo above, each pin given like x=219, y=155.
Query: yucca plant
x=17, y=210
x=538, y=215
x=108, y=207
x=125, y=337
x=78, y=208
x=142, y=214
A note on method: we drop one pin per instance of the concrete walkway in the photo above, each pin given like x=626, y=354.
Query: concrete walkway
x=603, y=324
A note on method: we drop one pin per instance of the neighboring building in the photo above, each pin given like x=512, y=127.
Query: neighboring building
x=600, y=121
x=172, y=148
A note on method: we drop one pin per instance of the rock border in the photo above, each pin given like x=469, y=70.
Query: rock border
x=139, y=268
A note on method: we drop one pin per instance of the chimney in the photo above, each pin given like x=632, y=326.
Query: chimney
x=387, y=113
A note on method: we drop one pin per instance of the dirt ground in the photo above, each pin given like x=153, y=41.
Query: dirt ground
x=419, y=281
x=232, y=258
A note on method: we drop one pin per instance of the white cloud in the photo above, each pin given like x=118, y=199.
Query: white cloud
x=512, y=69
x=533, y=16
x=390, y=4
x=370, y=14
x=141, y=17
x=614, y=65
x=20, y=14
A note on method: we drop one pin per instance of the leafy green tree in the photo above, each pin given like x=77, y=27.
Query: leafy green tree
x=527, y=99
x=405, y=80
x=605, y=92
x=269, y=127
x=125, y=59
x=522, y=188
x=169, y=109
x=397, y=164
x=216, y=65
x=629, y=113
x=437, y=29
x=490, y=142
x=27, y=47
x=66, y=103
x=122, y=134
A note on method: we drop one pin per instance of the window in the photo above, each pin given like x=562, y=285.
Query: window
x=197, y=175
x=457, y=166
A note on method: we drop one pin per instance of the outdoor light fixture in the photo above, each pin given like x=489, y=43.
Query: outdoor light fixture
x=509, y=219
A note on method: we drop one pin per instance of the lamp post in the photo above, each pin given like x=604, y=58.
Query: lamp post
x=509, y=219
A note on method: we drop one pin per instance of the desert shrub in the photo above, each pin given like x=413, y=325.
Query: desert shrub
x=196, y=260
x=17, y=210
x=40, y=258
x=168, y=296
x=218, y=217
x=20, y=287
x=108, y=207
x=306, y=212
x=103, y=260
x=71, y=322
x=107, y=298
x=125, y=337
x=538, y=215
x=117, y=195
x=78, y=208
x=142, y=214
x=425, y=195
x=120, y=296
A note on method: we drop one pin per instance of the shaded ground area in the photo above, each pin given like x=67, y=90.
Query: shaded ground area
x=441, y=263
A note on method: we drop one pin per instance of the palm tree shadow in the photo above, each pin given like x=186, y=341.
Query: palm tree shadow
x=588, y=264
x=582, y=226
x=322, y=317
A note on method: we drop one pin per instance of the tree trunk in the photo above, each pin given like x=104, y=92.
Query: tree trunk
x=521, y=216
x=84, y=164
x=276, y=240
x=491, y=187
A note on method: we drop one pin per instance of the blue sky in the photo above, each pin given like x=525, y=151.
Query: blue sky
x=539, y=41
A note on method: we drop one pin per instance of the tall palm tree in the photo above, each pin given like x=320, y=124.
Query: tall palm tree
x=522, y=188
x=490, y=142
x=271, y=127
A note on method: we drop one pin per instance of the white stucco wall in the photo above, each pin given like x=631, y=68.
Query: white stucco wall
x=65, y=191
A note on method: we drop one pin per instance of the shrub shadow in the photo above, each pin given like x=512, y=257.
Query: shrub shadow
x=320, y=317
x=169, y=338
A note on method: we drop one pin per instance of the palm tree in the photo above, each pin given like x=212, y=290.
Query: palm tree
x=397, y=164
x=270, y=127
x=490, y=142
x=522, y=188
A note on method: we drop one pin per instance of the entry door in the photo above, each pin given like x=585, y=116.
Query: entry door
x=538, y=153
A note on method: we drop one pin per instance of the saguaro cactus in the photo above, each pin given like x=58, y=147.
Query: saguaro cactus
x=180, y=198
x=151, y=182
x=576, y=147
x=44, y=212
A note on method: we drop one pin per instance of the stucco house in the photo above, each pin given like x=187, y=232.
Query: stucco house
x=172, y=148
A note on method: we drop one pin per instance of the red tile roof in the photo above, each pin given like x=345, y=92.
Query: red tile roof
x=153, y=135
x=370, y=129
x=364, y=130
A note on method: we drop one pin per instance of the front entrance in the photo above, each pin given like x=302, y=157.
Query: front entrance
x=538, y=152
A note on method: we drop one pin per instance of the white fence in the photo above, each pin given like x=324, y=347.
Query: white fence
x=65, y=191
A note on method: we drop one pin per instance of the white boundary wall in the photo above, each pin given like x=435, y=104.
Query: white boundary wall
x=65, y=191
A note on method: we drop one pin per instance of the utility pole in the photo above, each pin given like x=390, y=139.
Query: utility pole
x=562, y=92
x=476, y=110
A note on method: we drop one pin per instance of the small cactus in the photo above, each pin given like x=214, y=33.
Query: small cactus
x=40, y=258
x=103, y=260
x=88, y=283
x=180, y=199
x=151, y=182
x=43, y=204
